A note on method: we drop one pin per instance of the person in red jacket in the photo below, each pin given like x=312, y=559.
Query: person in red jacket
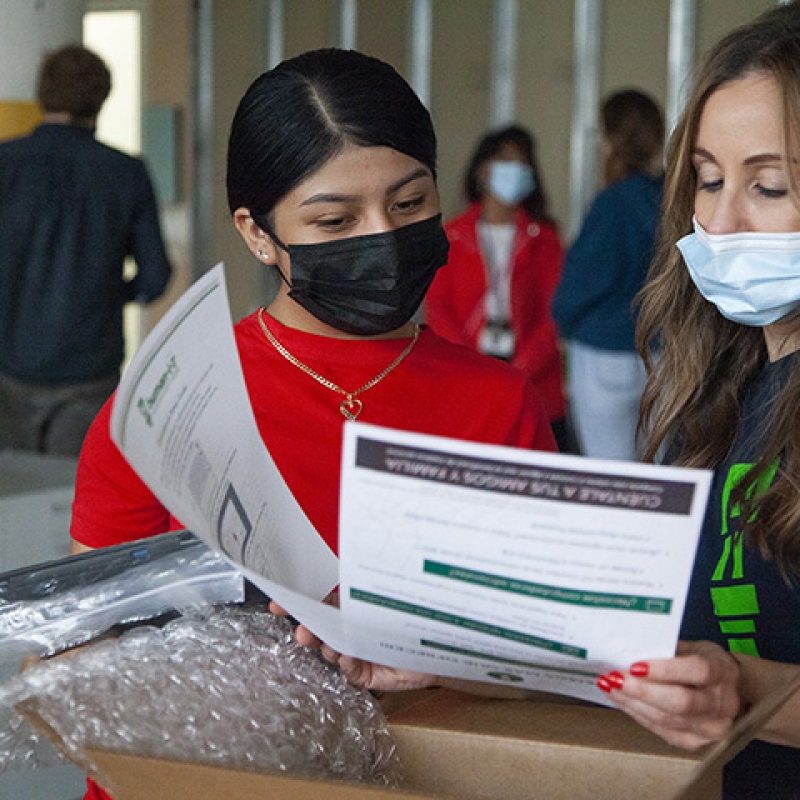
x=495, y=293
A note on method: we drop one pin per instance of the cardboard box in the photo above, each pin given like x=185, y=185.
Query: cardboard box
x=455, y=745
x=461, y=746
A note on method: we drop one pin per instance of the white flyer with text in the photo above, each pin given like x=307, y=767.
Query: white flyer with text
x=493, y=563
x=183, y=420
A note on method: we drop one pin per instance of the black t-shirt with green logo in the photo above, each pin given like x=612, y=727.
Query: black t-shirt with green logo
x=739, y=600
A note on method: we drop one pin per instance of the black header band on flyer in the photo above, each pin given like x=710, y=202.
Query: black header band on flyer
x=525, y=480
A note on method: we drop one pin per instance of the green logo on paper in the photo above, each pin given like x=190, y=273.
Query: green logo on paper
x=148, y=404
x=505, y=676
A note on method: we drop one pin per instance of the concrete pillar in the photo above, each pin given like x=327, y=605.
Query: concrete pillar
x=30, y=29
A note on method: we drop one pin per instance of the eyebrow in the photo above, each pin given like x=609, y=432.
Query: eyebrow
x=422, y=172
x=761, y=158
x=332, y=197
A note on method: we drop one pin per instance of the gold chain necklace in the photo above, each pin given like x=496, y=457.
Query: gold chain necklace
x=351, y=406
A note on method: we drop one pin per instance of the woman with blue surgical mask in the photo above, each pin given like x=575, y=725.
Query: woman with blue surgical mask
x=719, y=330
x=505, y=261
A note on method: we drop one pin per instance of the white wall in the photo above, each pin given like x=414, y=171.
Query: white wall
x=29, y=29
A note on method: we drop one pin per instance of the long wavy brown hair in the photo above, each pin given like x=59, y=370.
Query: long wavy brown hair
x=699, y=363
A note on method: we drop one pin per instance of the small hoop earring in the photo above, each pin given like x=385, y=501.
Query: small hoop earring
x=261, y=255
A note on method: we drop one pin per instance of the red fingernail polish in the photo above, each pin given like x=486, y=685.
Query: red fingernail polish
x=641, y=669
x=603, y=684
x=616, y=679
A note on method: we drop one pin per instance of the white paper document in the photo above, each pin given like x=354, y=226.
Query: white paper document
x=465, y=560
x=498, y=564
x=183, y=420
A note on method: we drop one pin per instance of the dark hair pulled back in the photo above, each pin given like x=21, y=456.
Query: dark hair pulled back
x=634, y=127
x=296, y=117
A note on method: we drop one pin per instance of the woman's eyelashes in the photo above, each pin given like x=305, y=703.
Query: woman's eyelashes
x=409, y=205
x=334, y=224
x=769, y=193
x=709, y=186
x=341, y=222
x=708, y=175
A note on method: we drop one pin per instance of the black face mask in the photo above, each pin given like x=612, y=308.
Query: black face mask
x=367, y=285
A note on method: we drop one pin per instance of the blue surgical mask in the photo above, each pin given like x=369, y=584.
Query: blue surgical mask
x=752, y=278
x=510, y=181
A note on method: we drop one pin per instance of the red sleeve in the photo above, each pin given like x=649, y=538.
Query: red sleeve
x=535, y=432
x=454, y=303
x=112, y=504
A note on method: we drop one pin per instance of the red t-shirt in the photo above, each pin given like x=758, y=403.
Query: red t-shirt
x=439, y=388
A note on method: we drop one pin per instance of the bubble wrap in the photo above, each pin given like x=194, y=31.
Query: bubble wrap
x=230, y=687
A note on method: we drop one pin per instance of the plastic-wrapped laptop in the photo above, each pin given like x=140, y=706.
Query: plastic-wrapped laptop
x=51, y=607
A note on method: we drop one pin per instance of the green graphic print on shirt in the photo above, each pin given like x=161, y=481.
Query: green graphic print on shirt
x=735, y=600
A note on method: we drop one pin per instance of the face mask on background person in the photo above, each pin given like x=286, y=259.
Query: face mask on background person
x=510, y=181
x=752, y=278
x=367, y=285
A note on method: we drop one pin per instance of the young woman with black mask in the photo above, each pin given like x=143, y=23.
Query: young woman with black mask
x=331, y=182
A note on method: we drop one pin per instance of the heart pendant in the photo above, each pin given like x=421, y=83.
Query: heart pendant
x=351, y=407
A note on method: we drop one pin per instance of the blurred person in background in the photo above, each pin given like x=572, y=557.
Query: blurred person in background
x=495, y=293
x=71, y=211
x=604, y=269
